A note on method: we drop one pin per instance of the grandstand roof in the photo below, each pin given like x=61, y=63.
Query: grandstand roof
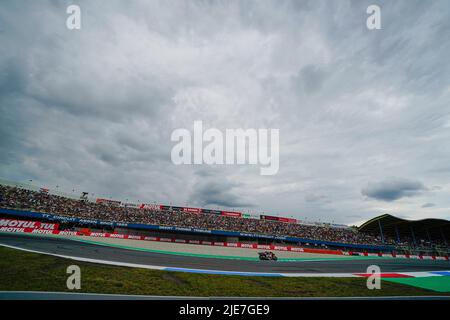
x=391, y=224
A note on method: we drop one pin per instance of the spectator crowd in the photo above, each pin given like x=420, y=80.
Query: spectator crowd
x=17, y=198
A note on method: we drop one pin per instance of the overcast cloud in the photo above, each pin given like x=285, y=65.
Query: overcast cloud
x=364, y=116
x=393, y=189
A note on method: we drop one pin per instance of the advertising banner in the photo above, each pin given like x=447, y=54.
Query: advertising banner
x=281, y=219
x=192, y=210
x=231, y=214
x=149, y=206
x=129, y=205
x=108, y=202
x=13, y=223
x=288, y=220
x=264, y=217
x=210, y=211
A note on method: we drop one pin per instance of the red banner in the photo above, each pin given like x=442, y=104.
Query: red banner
x=231, y=214
x=13, y=223
x=192, y=210
x=288, y=220
x=281, y=219
x=108, y=202
x=149, y=206
x=129, y=205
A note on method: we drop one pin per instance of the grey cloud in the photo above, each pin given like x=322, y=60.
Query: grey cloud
x=216, y=195
x=310, y=79
x=428, y=205
x=95, y=108
x=393, y=189
x=317, y=198
x=211, y=189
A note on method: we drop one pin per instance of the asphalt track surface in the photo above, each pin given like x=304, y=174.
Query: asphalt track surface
x=87, y=250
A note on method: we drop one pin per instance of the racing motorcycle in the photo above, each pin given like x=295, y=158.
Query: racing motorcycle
x=267, y=255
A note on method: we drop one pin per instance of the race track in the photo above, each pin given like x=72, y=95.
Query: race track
x=79, y=249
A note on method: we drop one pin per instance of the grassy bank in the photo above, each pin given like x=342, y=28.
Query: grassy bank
x=24, y=271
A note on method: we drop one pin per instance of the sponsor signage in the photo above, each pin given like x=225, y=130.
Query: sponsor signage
x=129, y=205
x=149, y=206
x=13, y=223
x=210, y=211
x=192, y=210
x=281, y=219
x=264, y=217
x=231, y=214
x=233, y=244
x=87, y=221
x=106, y=223
x=165, y=208
x=117, y=235
x=288, y=220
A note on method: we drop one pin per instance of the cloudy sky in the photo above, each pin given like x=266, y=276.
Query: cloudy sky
x=364, y=115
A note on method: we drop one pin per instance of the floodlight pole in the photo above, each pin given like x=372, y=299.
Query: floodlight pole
x=381, y=231
x=413, y=236
x=443, y=236
x=398, y=235
x=428, y=234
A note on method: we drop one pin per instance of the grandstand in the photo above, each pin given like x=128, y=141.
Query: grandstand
x=105, y=215
x=428, y=235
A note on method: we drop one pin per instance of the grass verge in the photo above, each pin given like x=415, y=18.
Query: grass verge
x=25, y=271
